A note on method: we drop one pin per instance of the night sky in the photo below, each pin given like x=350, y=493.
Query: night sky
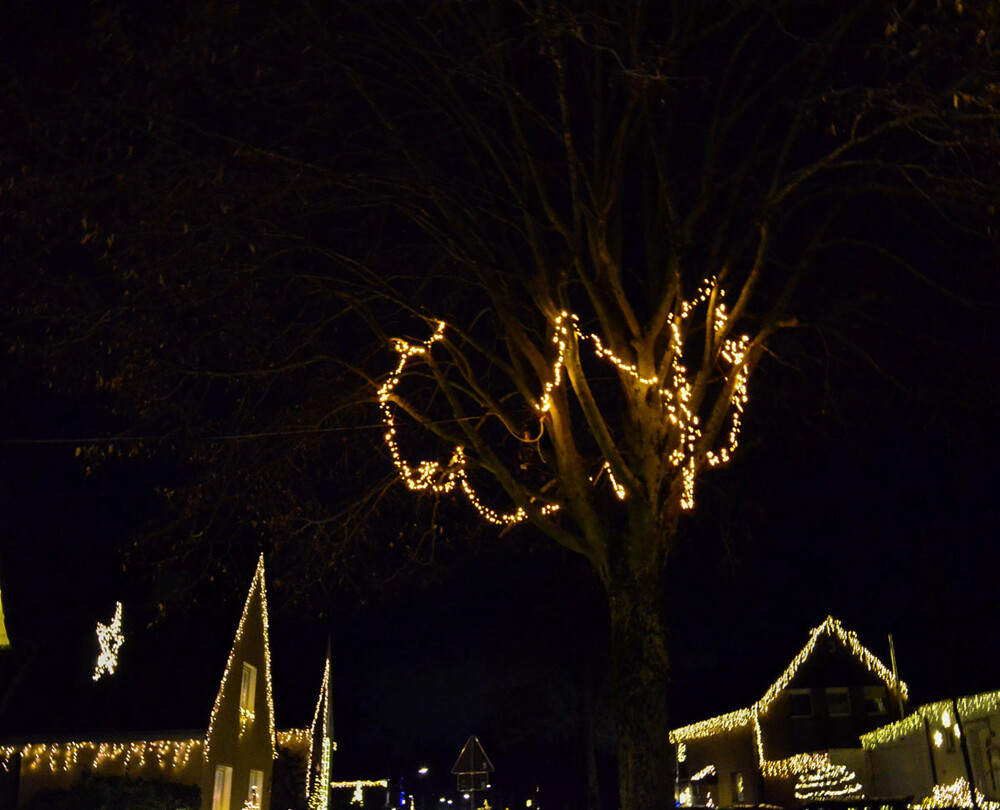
x=877, y=508
x=865, y=487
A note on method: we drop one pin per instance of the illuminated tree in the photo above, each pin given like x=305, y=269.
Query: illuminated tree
x=573, y=232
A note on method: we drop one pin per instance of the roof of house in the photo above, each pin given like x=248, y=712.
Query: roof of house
x=830, y=628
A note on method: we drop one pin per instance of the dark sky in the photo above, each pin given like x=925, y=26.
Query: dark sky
x=865, y=488
x=877, y=505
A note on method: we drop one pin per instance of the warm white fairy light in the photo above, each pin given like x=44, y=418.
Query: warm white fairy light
x=4, y=638
x=972, y=707
x=828, y=782
x=674, y=392
x=955, y=794
x=704, y=773
x=110, y=637
x=253, y=800
x=102, y=756
x=317, y=788
x=257, y=584
x=293, y=737
x=750, y=716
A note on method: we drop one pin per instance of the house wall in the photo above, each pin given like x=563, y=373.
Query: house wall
x=733, y=753
x=902, y=768
x=249, y=748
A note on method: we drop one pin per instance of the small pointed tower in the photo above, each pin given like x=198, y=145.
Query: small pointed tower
x=321, y=744
x=240, y=743
x=4, y=639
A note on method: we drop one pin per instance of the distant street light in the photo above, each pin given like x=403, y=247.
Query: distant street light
x=423, y=771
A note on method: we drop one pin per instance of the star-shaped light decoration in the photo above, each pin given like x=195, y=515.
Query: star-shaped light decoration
x=110, y=637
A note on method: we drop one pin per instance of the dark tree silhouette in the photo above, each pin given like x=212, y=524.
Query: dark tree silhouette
x=577, y=227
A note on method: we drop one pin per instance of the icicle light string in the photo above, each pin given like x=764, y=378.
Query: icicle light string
x=750, y=716
x=675, y=392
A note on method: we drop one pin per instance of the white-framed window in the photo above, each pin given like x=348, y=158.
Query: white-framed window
x=248, y=694
x=255, y=789
x=223, y=787
x=800, y=703
x=876, y=700
x=838, y=701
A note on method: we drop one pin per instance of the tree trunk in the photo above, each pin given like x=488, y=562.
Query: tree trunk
x=640, y=668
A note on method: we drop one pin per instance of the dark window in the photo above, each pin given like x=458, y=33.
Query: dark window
x=838, y=702
x=876, y=700
x=800, y=703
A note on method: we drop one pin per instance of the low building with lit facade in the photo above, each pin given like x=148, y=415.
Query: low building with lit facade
x=799, y=741
x=940, y=752
x=230, y=760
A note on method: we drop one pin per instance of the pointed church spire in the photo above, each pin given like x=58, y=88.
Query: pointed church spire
x=4, y=638
x=322, y=744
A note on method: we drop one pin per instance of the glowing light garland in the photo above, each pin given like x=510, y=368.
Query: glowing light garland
x=969, y=708
x=828, y=782
x=674, y=392
x=293, y=737
x=316, y=789
x=955, y=794
x=110, y=637
x=750, y=716
x=257, y=584
x=64, y=757
x=704, y=773
x=4, y=638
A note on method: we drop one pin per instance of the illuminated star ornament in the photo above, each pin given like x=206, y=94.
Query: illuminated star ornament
x=110, y=637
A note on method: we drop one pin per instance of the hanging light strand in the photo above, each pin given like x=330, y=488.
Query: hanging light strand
x=674, y=392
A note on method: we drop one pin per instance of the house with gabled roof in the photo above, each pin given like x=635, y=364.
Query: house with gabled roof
x=805, y=727
x=230, y=760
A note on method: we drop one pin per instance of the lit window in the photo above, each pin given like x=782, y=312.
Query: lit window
x=800, y=702
x=223, y=787
x=737, y=786
x=876, y=700
x=255, y=789
x=248, y=692
x=838, y=702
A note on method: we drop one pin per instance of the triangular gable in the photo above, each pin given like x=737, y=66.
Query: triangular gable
x=744, y=717
x=321, y=744
x=256, y=599
x=4, y=639
x=473, y=759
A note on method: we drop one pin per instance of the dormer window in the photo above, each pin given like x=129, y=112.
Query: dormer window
x=248, y=694
x=800, y=702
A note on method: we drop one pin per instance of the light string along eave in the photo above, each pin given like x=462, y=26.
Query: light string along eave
x=674, y=391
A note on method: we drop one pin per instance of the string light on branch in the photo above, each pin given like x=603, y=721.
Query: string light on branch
x=110, y=637
x=674, y=391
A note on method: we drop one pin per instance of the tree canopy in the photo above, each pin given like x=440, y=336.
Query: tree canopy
x=551, y=241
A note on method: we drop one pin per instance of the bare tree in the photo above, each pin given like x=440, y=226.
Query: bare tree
x=575, y=227
x=623, y=201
